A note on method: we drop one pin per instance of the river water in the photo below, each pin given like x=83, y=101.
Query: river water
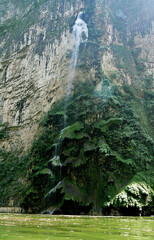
x=46, y=227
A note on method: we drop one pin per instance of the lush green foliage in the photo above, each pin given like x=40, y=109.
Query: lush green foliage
x=104, y=155
x=101, y=150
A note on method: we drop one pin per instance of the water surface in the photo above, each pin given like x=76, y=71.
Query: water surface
x=46, y=227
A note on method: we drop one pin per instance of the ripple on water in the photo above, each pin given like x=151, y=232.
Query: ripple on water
x=38, y=227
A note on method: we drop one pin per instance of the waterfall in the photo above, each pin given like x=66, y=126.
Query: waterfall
x=80, y=32
x=54, y=189
x=58, y=143
x=80, y=35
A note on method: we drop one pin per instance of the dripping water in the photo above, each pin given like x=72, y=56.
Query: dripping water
x=80, y=35
x=57, y=150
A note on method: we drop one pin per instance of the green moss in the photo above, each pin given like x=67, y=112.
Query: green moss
x=12, y=173
x=111, y=123
x=73, y=131
x=134, y=195
x=104, y=158
x=104, y=148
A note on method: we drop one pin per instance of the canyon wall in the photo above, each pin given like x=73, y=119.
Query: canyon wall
x=106, y=149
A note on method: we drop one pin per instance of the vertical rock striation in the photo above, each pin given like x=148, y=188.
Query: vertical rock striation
x=106, y=149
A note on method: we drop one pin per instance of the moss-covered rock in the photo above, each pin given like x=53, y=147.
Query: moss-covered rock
x=137, y=195
x=103, y=157
x=73, y=131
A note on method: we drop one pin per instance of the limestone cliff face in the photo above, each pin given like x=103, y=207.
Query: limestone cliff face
x=110, y=109
x=34, y=64
x=32, y=79
x=146, y=43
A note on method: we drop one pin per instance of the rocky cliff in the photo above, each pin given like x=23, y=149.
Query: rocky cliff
x=104, y=163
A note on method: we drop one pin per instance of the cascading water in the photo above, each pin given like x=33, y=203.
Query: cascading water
x=80, y=34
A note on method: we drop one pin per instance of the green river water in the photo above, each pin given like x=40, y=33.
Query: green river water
x=46, y=227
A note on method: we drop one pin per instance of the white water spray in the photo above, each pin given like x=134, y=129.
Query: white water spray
x=80, y=34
